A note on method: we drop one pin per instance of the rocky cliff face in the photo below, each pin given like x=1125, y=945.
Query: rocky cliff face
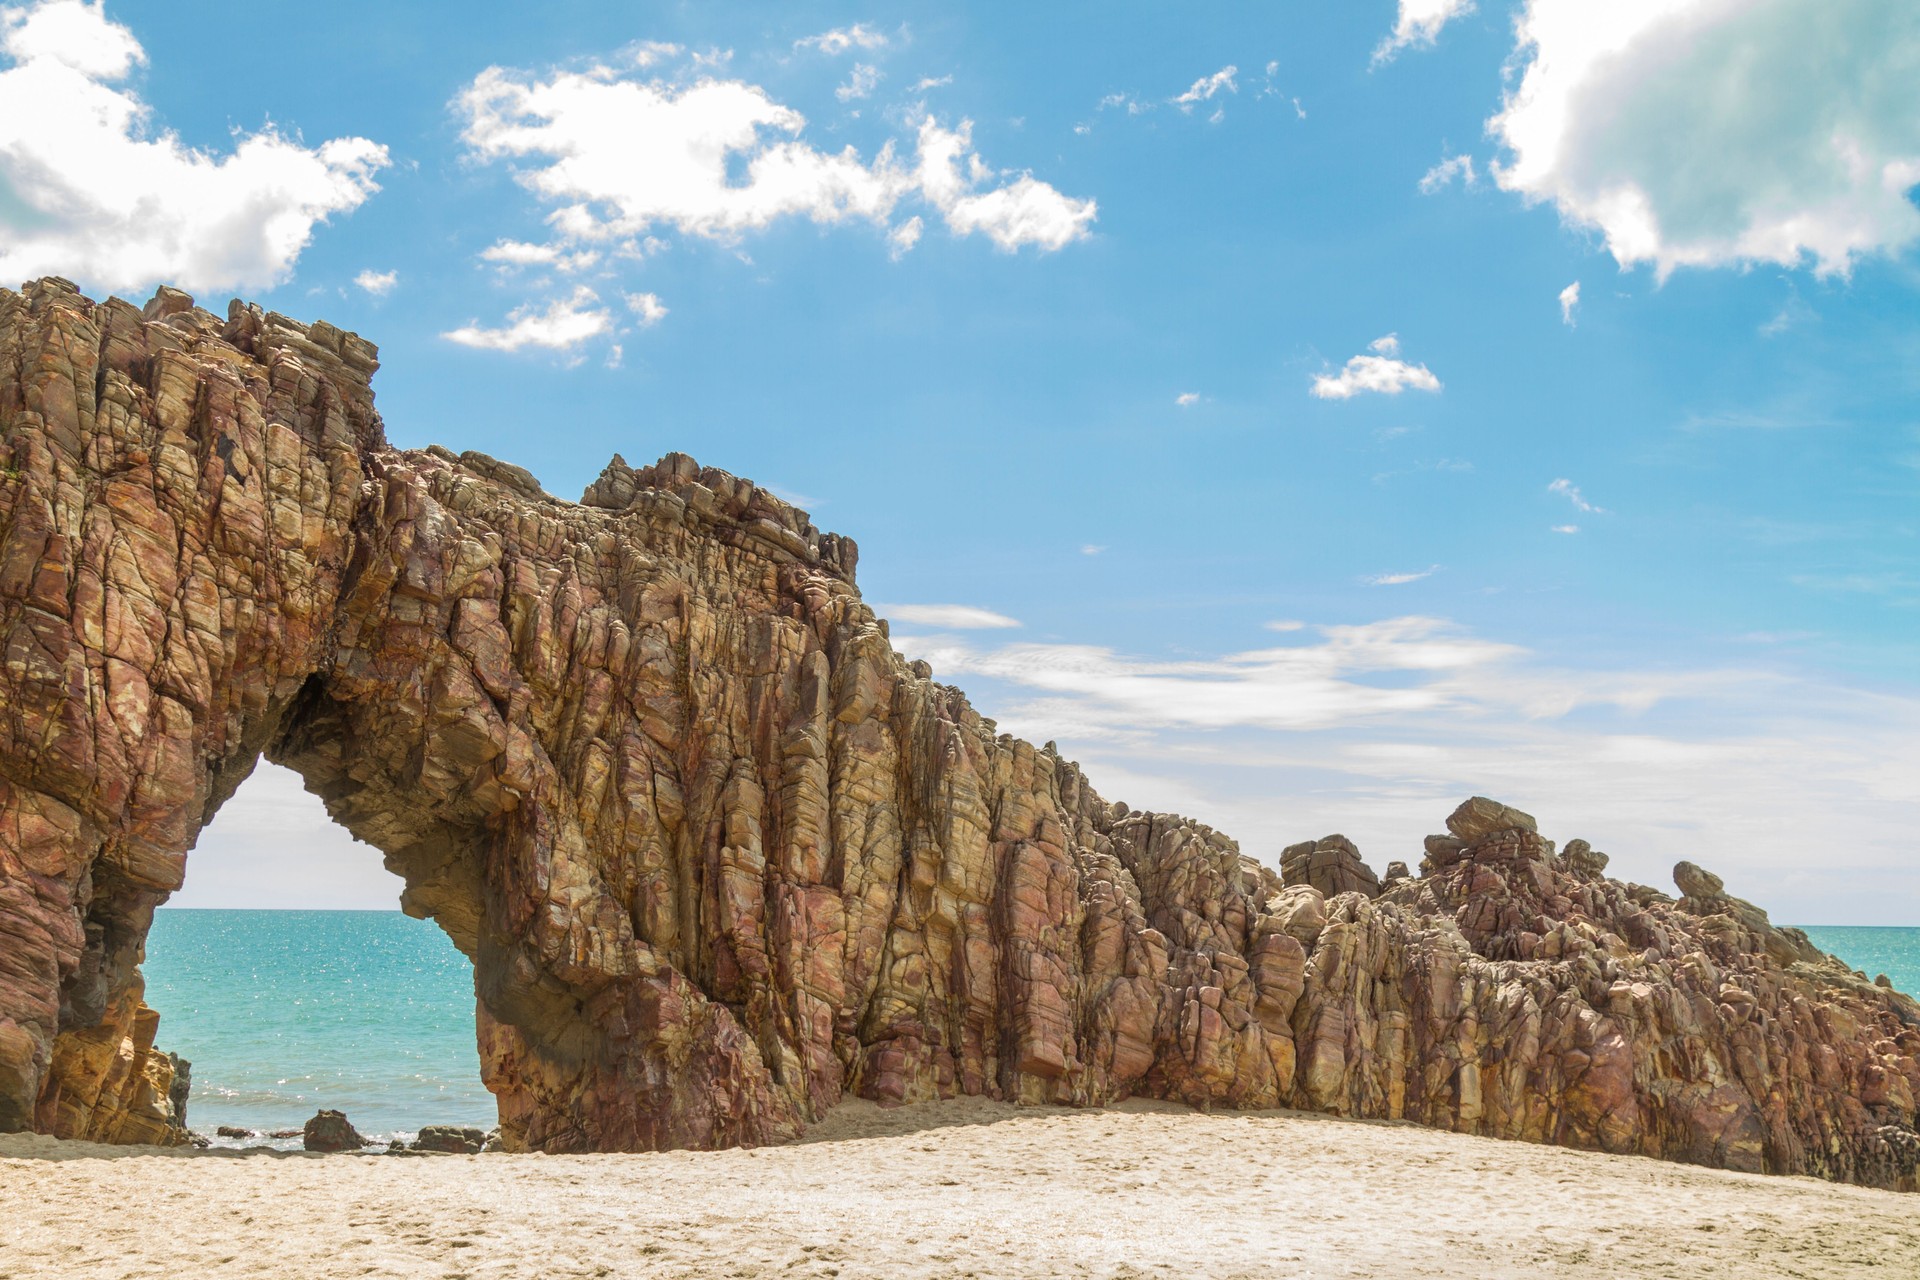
x=719, y=855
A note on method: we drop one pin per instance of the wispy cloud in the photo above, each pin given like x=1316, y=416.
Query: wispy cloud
x=841, y=39
x=1571, y=492
x=377, y=283
x=1400, y=579
x=1419, y=23
x=1203, y=89
x=1330, y=681
x=512, y=254
x=1782, y=419
x=1448, y=171
x=1379, y=729
x=1445, y=466
x=1187, y=399
x=1569, y=301
x=947, y=617
x=861, y=83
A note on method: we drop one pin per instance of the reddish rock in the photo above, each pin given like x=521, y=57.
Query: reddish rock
x=1331, y=864
x=720, y=856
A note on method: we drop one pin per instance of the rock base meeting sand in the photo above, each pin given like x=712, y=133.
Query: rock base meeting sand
x=965, y=1188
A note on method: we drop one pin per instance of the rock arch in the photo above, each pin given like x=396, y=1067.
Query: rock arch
x=719, y=854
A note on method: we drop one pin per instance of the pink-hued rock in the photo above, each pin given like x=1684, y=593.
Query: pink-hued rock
x=719, y=854
x=1331, y=864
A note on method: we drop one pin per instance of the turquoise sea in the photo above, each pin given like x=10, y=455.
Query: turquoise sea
x=285, y=1012
x=1874, y=950
x=371, y=1013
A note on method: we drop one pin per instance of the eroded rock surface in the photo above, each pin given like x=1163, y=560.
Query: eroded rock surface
x=1330, y=864
x=719, y=855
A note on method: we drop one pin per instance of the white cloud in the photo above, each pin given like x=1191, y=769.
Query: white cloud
x=644, y=53
x=1380, y=372
x=377, y=283
x=1419, y=23
x=948, y=617
x=841, y=39
x=718, y=158
x=1444, y=173
x=1206, y=86
x=564, y=323
x=860, y=84
x=1187, y=399
x=1569, y=300
x=1378, y=730
x=1565, y=528
x=73, y=34
x=1400, y=579
x=648, y=307
x=99, y=192
x=1571, y=492
x=1709, y=132
x=931, y=82
x=1022, y=212
x=519, y=253
x=905, y=236
x=1092, y=548
x=1332, y=681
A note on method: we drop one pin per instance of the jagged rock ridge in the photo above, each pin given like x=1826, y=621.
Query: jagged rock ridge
x=719, y=855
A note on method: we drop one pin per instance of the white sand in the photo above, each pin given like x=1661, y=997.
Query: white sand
x=952, y=1189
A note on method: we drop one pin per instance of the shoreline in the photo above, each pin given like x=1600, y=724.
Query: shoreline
x=940, y=1189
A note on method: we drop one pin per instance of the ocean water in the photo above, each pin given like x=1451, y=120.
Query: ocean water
x=371, y=1013
x=285, y=1012
x=1874, y=950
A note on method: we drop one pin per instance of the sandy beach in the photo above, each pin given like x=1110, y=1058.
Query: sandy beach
x=967, y=1188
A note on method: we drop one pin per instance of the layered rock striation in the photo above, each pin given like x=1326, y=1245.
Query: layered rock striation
x=719, y=854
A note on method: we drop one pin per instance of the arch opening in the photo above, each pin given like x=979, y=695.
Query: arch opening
x=286, y=974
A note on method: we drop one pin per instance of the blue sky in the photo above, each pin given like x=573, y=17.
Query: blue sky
x=1267, y=415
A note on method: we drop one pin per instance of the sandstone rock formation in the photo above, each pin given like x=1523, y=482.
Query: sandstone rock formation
x=1330, y=864
x=720, y=856
x=1583, y=859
